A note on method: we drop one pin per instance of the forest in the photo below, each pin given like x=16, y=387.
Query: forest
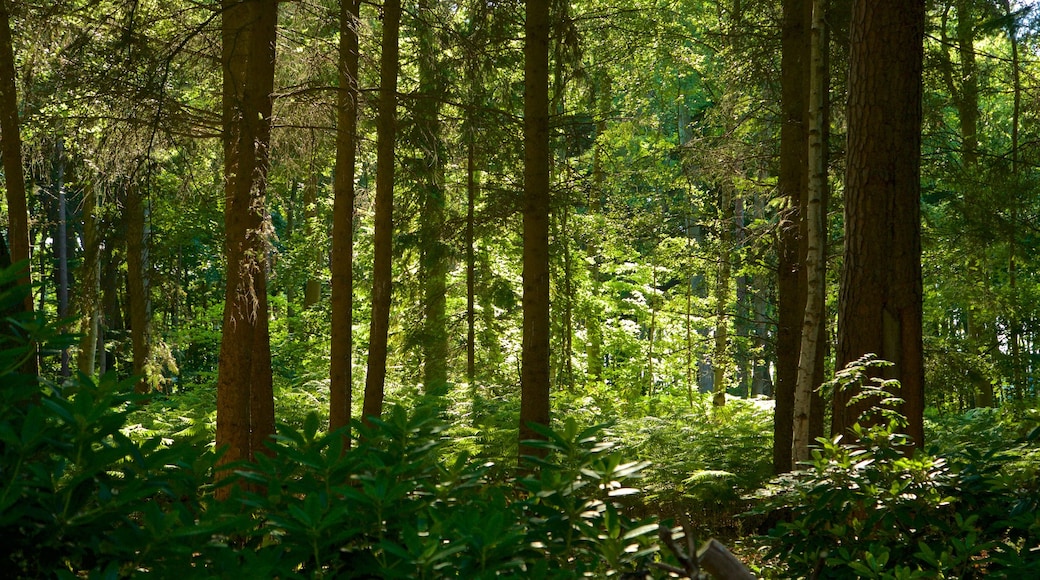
x=520, y=289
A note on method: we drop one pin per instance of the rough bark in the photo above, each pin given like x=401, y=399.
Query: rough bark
x=340, y=367
x=816, y=242
x=14, y=173
x=245, y=406
x=382, y=242
x=90, y=286
x=792, y=181
x=534, y=373
x=135, y=214
x=880, y=297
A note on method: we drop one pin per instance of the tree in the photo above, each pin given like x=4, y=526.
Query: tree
x=816, y=240
x=340, y=367
x=245, y=407
x=534, y=374
x=434, y=262
x=792, y=181
x=14, y=173
x=136, y=215
x=382, y=242
x=880, y=307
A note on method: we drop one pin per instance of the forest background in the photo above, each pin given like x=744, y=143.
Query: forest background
x=360, y=228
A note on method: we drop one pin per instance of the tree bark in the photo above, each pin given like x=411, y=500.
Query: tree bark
x=382, y=242
x=245, y=402
x=816, y=241
x=312, y=288
x=135, y=214
x=340, y=367
x=434, y=266
x=720, y=358
x=534, y=374
x=90, y=286
x=14, y=173
x=792, y=181
x=880, y=298
x=61, y=242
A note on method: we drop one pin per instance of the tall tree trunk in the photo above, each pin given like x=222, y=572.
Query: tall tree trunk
x=90, y=285
x=472, y=188
x=382, y=242
x=1015, y=324
x=340, y=367
x=793, y=180
x=880, y=298
x=14, y=173
x=534, y=374
x=245, y=402
x=312, y=288
x=594, y=318
x=434, y=267
x=61, y=242
x=816, y=241
x=136, y=215
x=963, y=87
x=761, y=382
x=720, y=358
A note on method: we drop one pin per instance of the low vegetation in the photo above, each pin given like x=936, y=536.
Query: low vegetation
x=88, y=492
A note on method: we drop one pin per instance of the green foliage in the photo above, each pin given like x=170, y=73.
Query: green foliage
x=870, y=510
x=80, y=497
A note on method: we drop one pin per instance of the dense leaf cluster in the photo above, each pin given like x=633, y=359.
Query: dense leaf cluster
x=79, y=496
x=869, y=510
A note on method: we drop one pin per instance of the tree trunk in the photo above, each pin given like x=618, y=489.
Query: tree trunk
x=880, y=298
x=793, y=180
x=312, y=288
x=534, y=374
x=136, y=215
x=1015, y=330
x=720, y=358
x=245, y=406
x=471, y=258
x=61, y=243
x=90, y=285
x=340, y=367
x=434, y=266
x=14, y=173
x=382, y=242
x=594, y=317
x=816, y=242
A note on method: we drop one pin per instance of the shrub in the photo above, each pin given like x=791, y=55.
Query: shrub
x=870, y=510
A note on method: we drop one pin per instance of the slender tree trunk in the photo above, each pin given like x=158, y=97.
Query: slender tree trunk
x=1015, y=324
x=312, y=289
x=720, y=358
x=793, y=180
x=61, y=243
x=434, y=266
x=90, y=285
x=382, y=242
x=594, y=319
x=340, y=367
x=136, y=215
x=816, y=240
x=534, y=377
x=471, y=259
x=245, y=402
x=880, y=298
x=14, y=173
